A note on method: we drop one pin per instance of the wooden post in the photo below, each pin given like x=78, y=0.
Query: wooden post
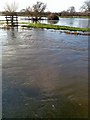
x=12, y=21
x=6, y=20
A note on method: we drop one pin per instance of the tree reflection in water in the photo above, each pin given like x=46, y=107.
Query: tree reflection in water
x=53, y=21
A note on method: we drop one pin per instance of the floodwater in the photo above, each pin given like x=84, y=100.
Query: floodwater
x=73, y=22
x=44, y=74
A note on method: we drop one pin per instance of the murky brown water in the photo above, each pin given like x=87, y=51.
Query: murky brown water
x=45, y=74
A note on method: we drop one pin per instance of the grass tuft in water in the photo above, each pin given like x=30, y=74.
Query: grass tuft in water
x=56, y=27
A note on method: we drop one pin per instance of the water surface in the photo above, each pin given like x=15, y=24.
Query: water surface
x=73, y=22
x=45, y=74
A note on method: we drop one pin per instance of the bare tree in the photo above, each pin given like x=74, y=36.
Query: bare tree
x=86, y=6
x=11, y=15
x=38, y=9
x=71, y=9
x=28, y=11
x=11, y=8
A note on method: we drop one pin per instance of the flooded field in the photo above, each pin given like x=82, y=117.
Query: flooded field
x=44, y=74
x=73, y=22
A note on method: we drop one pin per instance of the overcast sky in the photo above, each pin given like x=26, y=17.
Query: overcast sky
x=52, y=5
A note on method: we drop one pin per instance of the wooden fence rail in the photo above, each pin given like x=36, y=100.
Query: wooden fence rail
x=12, y=21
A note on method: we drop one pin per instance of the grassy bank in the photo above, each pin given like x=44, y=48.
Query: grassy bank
x=56, y=27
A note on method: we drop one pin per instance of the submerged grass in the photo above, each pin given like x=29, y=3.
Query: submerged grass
x=75, y=17
x=56, y=27
x=51, y=26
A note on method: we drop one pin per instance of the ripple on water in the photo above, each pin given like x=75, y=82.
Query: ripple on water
x=44, y=74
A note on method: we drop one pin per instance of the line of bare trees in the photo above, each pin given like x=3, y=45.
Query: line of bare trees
x=84, y=10
x=38, y=10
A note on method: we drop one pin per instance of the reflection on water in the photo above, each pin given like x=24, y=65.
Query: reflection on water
x=53, y=21
x=45, y=74
x=84, y=23
x=73, y=22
